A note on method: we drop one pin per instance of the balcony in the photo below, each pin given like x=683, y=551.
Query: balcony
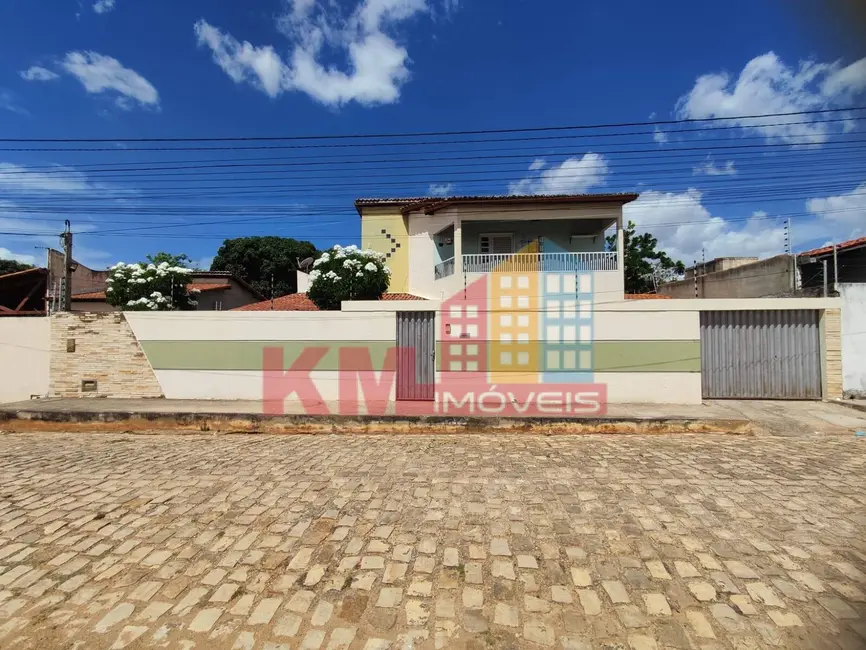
x=537, y=262
x=443, y=269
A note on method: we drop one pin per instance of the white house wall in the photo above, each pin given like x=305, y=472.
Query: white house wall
x=853, y=338
x=24, y=358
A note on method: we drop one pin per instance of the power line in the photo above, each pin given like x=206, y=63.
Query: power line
x=646, y=167
x=327, y=146
x=450, y=133
x=790, y=141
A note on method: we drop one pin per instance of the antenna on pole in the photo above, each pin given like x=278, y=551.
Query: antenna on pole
x=272, y=292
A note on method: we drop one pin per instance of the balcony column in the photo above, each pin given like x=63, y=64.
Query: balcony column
x=620, y=245
x=458, y=246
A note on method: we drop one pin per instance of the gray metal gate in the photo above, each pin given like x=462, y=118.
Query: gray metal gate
x=416, y=355
x=762, y=354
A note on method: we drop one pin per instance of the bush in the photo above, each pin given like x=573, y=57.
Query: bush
x=347, y=274
x=149, y=287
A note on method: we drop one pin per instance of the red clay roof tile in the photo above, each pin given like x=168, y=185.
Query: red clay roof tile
x=300, y=302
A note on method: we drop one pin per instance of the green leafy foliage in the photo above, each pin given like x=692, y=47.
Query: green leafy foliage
x=259, y=260
x=182, y=260
x=347, y=274
x=643, y=261
x=11, y=266
x=149, y=287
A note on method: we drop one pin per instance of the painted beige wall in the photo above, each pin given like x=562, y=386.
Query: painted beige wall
x=303, y=280
x=422, y=249
x=243, y=385
x=659, y=326
x=744, y=304
x=263, y=326
x=609, y=287
x=622, y=387
x=24, y=358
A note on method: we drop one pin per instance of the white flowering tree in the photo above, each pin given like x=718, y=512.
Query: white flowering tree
x=150, y=287
x=347, y=273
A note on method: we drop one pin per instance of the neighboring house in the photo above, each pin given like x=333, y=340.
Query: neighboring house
x=735, y=277
x=22, y=293
x=845, y=265
x=218, y=291
x=848, y=258
x=716, y=265
x=300, y=302
x=84, y=279
x=435, y=246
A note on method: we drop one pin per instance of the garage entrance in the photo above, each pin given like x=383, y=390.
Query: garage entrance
x=761, y=354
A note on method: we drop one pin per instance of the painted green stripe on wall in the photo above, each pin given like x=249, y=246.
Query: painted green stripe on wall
x=607, y=356
x=248, y=355
x=646, y=356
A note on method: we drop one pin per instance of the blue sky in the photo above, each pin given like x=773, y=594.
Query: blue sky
x=131, y=69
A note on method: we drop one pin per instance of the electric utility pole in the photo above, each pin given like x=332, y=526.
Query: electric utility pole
x=66, y=238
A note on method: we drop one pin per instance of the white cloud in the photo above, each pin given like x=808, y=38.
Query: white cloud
x=14, y=177
x=659, y=136
x=767, y=85
x=6, y=254
x=847, y=81
x=377, y=66
x=103, y=6
x=697, y=229
x=572, y=176
x=260, y=66
x=99, y=73
x=440, y=189
x=685, y=227
x=709, y=168
x=9, y=102
x=38, y=73
x=843, y=211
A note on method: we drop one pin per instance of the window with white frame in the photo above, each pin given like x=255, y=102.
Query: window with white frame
x=496, y=243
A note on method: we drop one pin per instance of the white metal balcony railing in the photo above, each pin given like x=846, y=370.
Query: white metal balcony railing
x=443, y=269
x=538, y=262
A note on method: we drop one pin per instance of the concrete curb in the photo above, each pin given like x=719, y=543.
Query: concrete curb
x=116, y=421
x=858, y=405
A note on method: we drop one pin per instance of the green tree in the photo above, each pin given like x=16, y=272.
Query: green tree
x=643, y=261
x=150, y=287
x=259, y=259
x=183, y=260
x=347, y=274
x=11, y=266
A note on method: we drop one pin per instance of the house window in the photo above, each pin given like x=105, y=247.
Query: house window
x=496, y=243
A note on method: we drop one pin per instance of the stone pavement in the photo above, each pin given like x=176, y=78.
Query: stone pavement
x=367, y=543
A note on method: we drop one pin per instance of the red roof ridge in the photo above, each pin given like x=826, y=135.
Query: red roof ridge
x=823, y=250
x=301, y=302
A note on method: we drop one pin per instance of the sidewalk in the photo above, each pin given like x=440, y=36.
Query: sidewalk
x=228, y=416
x=97, y=414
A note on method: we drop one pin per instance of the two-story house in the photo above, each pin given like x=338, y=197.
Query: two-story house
x=437, y=246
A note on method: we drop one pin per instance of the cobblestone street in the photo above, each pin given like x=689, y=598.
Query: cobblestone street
x=367, y=543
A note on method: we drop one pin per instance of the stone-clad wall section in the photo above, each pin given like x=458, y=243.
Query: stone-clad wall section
x=100, y=347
